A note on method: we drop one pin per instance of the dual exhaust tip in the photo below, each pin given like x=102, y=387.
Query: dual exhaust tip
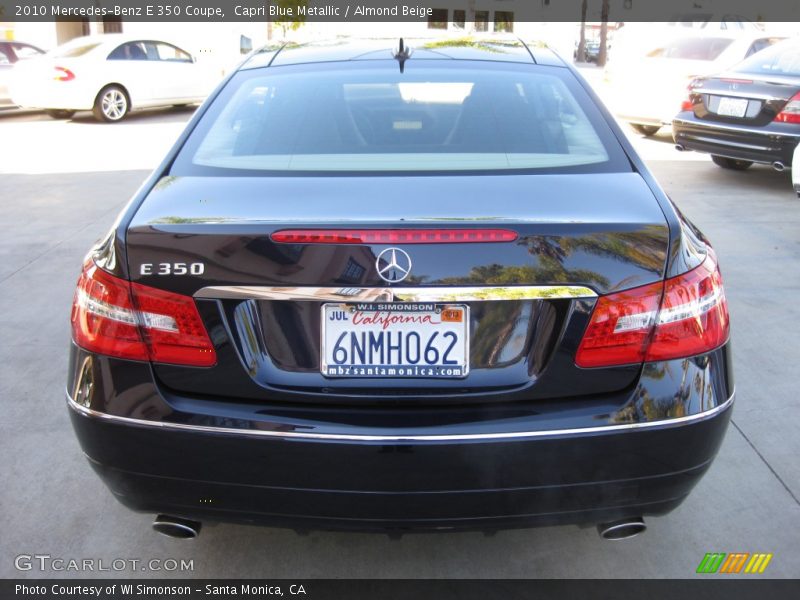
x=176, y=527
x=184, y=529
x=624, y=529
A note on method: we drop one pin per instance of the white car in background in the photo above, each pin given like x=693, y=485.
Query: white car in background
x=11, y=52
x=647, y=89
x=711, y=21
x=796, y=170
x=110, y=75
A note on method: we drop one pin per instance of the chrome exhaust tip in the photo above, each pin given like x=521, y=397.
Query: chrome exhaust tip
x=623, y=529
x=680, y=147
x=175, y=527
x=779, y=166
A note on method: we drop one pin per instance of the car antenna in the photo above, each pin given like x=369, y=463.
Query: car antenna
x=402, y=55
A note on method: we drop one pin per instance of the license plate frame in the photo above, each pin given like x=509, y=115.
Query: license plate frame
x=732, y=107
x=377, y=313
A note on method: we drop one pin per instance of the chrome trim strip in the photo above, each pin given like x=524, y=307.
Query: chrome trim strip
x=395, y=294
x=719, y=142
x=736, y=94
x=456, y=437
x=711, y=126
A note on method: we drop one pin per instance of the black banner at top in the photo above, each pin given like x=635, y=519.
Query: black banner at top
x=394, y=11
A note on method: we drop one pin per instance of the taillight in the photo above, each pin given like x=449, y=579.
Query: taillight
x=683, y=316
x=114, y=317
x=392, y=236
x=63, y=74
x=790, y=112
x=103, y=317
x=694, y=314
x=620, y=327
x=688, y=103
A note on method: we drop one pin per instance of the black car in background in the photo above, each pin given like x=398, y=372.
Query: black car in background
x=750, y=114
x=591, y=50
x=11, y=53
x=401, y=286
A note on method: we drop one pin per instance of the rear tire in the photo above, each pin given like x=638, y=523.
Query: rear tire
x=646, y=130
x=111, y=104
x=60, y=113
x=731, y=163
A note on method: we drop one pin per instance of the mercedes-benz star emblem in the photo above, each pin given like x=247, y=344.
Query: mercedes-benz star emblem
x=393, y=265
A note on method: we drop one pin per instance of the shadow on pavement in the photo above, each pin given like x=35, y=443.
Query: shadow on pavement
x=156, y=115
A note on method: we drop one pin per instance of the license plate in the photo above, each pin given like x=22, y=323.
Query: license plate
x=732, y=107
x=403, y=340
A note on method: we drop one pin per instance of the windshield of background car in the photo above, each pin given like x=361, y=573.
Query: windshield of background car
x=367, y=116
x=781, y=59
x=692, y=48
x=24, y=51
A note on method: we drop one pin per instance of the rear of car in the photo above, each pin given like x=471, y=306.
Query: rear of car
x=52, y=83
x=12, y=53
x=650, y=89
x=401, y=293
x=749, y=114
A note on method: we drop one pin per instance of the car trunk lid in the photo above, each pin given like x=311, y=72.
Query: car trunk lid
x=743, y=99
x=262, y=301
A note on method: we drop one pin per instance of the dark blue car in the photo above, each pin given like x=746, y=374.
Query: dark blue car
x=396, y=285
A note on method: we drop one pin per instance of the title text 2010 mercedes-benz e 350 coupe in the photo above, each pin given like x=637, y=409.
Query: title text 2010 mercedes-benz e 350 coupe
x=417, y=288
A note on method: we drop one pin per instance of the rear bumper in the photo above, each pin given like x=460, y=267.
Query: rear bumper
x=498, y=483
x=537, y=467
x=760, y=145
x=649, y=121
x=52, y=95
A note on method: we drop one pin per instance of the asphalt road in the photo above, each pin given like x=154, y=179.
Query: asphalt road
x=63, y=182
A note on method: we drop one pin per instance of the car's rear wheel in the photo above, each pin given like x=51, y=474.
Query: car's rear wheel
x=60, y=114
x=731, y=163
x=647, y=130
x=111, y=104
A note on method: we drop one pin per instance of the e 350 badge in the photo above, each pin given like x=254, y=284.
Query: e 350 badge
x=168, y=268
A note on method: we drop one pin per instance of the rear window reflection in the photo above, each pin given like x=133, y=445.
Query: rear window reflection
x=382, y=120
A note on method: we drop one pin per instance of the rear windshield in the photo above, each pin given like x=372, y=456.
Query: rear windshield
x=369, y=117
x=692, y=48
x=780, y=59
